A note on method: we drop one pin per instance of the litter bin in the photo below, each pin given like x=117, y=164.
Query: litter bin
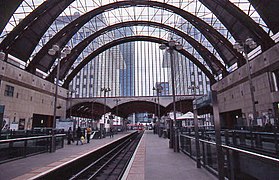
x=165, y=133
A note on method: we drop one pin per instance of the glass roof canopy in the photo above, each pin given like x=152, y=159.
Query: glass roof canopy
x=112, y=17
x=118, y=15
x=83, y=6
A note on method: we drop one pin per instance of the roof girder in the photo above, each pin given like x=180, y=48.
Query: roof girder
x=219, y=42
x=7, y=8
x=214, y=64
x=268, y=10
x=239, y=24
x=23, y=39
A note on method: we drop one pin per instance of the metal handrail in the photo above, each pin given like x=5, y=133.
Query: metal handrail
x=28, y=138
x=236, y=149
x=251, y=153
x=16, y=148
x=190, y=137
x=208, y=142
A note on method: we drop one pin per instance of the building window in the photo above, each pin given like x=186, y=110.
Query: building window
x=9, y=91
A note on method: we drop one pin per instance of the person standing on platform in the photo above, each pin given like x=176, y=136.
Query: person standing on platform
x=110, y=132
x=88, y=133
x=70, y=135
x=79, y=134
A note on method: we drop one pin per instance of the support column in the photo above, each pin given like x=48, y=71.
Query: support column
x=217, y=126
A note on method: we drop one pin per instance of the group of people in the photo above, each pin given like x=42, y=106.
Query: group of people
x=79, y=135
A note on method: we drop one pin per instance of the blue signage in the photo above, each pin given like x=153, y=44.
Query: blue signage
x=2, y=107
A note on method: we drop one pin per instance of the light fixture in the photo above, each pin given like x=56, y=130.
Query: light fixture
x=243, y=47
x=172, y=45
x=55, y=50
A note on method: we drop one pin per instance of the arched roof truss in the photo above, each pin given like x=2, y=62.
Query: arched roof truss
x=23, y=39
x=238, y=23
x=220, y=43
x=85, y=110
x=130, y=39
x=7, y=8
x=27, y=34
x=268, y=10
x=215, y=65
x=126, y=109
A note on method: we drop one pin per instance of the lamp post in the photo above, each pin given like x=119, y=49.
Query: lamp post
x=154, y=119
x=92, y=113
x=193, y=88
x=74, y=121
x=172, y=45
x=60, y=53
x=105, y=89
x=158, y=90
x=243, y=47
x=116, y=101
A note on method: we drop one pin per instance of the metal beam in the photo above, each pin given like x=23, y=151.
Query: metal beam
x=219, y=42
x=215, y=65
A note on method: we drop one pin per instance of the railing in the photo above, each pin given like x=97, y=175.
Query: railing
x=261, y=142
x=11, y=134
x=238, y=163
x=12, y=149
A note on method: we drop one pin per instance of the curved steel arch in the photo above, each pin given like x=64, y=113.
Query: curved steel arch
x=7, y=8
x=84, y=109
x=23, y=39
x=238, y=23
x=125, y=109
x=215, y=65
x=268, y=10
x=219, y=42
x=130, y=39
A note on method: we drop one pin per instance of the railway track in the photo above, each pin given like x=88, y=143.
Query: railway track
x=109, y=162
x=111, y=165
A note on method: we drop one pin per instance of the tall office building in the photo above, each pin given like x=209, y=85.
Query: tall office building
x=103, y=70
x=126, y=74
x=93, y=76
x=164, y=88
x=185, y=71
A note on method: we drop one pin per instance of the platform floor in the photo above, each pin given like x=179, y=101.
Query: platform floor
x=153, y=160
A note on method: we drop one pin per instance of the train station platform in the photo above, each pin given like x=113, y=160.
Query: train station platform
x=153, y=160
x=29, y=167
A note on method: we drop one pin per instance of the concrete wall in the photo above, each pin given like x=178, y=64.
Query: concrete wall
x=32, y=94
x=234, y=90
